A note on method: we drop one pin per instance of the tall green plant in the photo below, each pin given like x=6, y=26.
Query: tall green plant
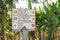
x=29, y=4
x=5, y=6
x=58, y=1
x=49, y=18
x=52, y=18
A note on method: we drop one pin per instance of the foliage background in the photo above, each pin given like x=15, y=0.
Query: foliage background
x=47, y=18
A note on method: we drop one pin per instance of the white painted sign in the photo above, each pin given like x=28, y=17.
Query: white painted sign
x=23, y=17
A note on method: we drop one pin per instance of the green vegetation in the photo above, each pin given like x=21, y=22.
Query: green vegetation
x=5, y=20
x=47, y=19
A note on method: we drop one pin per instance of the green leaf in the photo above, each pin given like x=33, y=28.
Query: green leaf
x=29, y=4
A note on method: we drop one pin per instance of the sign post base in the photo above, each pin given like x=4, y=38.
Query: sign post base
x=24, y=34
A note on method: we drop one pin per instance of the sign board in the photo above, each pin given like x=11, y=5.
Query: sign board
x=23, y=17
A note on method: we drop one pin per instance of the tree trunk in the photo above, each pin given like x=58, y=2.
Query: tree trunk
x=49, y=35
x=2, y=25
x=39, y=35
